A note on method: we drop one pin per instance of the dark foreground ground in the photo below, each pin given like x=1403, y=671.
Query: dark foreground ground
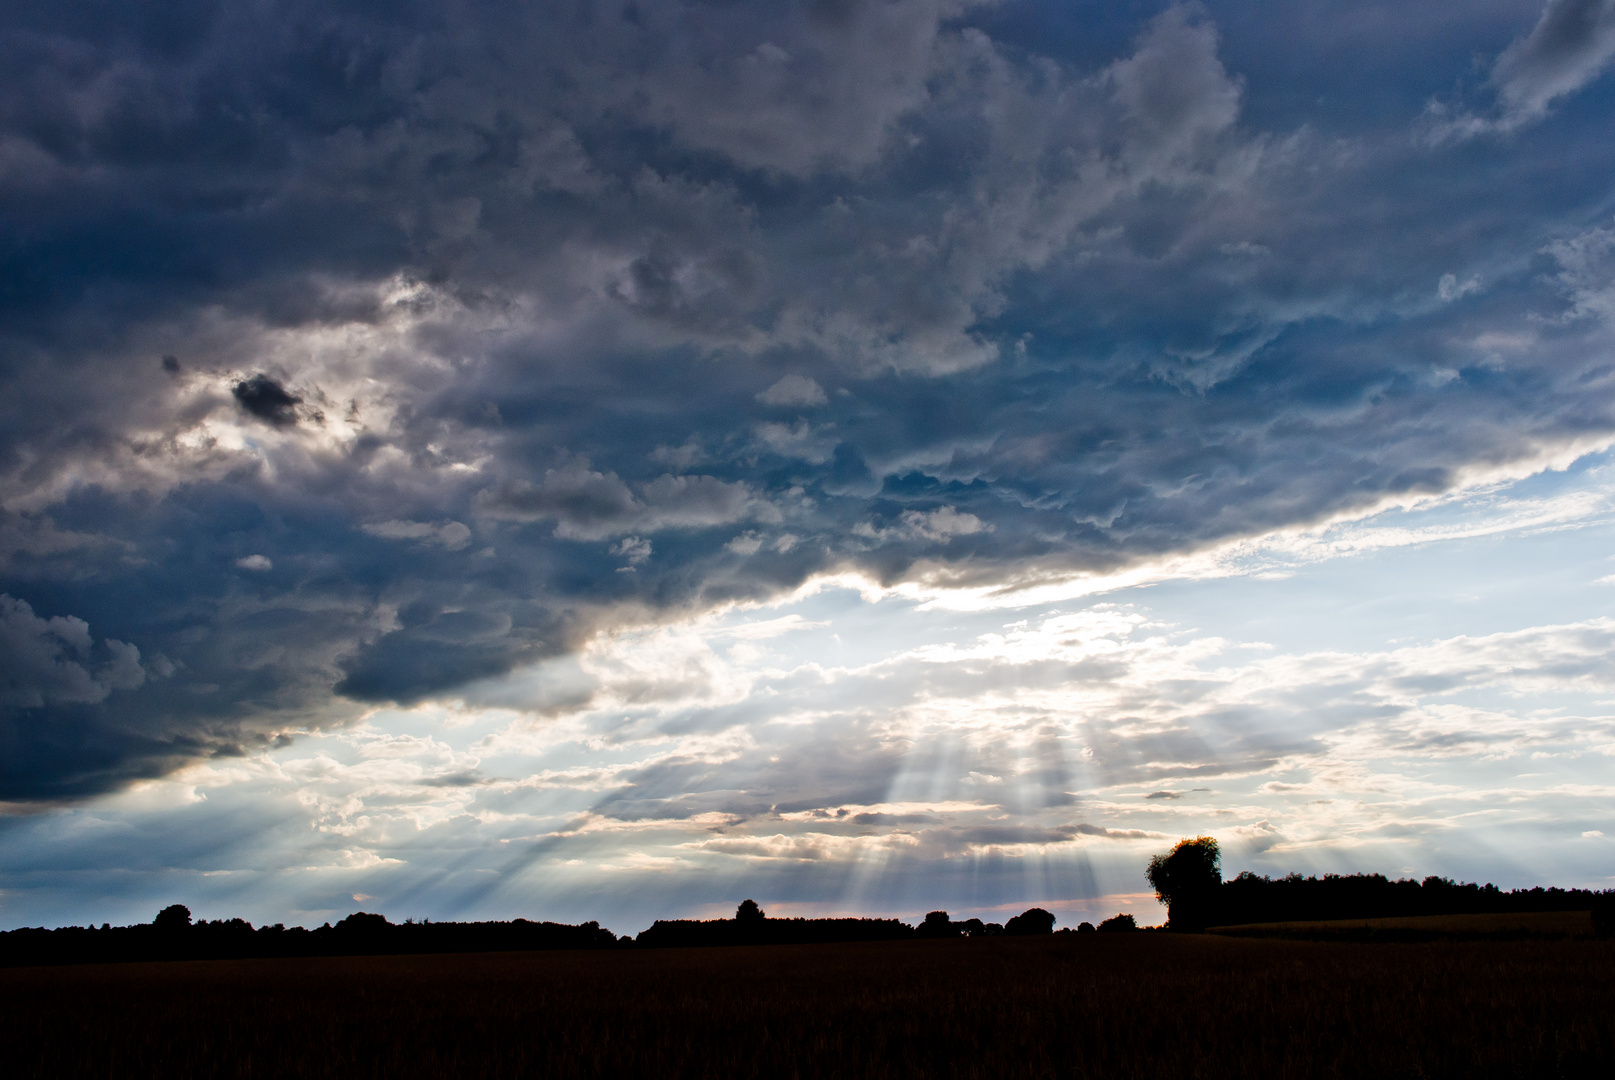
x=1091, y=1005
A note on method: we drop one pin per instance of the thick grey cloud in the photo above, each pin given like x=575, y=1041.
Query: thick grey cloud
x=46, y=660
x=352, y=356
x=1569, y=47
x=590, y=505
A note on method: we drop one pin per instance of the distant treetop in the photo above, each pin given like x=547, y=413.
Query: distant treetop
x=749, y=912
x=1031, y=921
x=173, y=917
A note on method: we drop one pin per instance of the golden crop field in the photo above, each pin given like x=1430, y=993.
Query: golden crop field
x=1071, y=1006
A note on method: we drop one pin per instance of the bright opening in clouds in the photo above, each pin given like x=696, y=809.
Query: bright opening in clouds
x=607, y=460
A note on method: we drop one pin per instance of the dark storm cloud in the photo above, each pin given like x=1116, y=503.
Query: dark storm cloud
x=499, y=325
x=46, y=660
x=266, y=399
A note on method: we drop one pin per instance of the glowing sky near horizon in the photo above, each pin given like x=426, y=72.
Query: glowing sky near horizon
x=606, y=461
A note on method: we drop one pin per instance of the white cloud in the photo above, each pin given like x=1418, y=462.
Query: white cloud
x=769, y=628
x=1587, y=272
x=450, y=534
x=1448, y=288
x=942, y=523
x=936, y=526
x=800, y=440
x=794, y=390
x=256, y=563
x=747, y=543
x=636, y=549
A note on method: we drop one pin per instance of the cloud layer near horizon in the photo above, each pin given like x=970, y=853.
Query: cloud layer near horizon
x=350, y=358
x=836, y=770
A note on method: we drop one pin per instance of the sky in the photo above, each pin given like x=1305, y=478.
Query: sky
x=582, y=460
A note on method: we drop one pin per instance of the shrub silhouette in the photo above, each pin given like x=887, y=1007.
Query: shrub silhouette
x=1122, y=921
x=749, y=912
x=1187, y=880
x=1031, y=921
x=1085, y=928
x=977, y=928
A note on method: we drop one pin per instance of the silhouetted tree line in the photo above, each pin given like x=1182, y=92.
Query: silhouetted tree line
x=751, y=926
x=1188, y=879
x=1251, y=898
x=172, y=935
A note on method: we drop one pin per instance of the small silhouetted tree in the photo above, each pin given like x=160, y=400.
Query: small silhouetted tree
x=1122, y=921
x=173, y=919
x=1186, y=880
x=1085, y=928
x=748, y=912
x=937, y=925
x=1031, y=921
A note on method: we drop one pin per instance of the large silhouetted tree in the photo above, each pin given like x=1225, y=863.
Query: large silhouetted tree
x=1031, y=921
x=173, y=919
x=1186, y=880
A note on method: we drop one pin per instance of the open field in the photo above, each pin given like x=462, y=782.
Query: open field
x=1531, y=924
x=1092, y=1005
